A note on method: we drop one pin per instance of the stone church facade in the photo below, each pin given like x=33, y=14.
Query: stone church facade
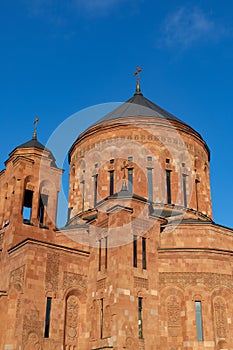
x=140, y=263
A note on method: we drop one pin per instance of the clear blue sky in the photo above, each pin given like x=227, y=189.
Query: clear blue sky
x=58, y=57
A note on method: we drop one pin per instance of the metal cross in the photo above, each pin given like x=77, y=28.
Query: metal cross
x=35, y=127
x=137, y=74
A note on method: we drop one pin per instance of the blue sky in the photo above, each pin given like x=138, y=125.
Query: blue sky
x=58, y=57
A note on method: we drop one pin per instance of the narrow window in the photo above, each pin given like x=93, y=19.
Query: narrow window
x=184, y=182
x=130, y=159
x=199, y=321
x=101, y=317
x=111, y=182
x=168, y=183
x=196, y=189
x=83, y=192
x=100, y=249
x=135, y=240
x=106, y=252
x=140, y=333
x=27, y=206
x=42, y=209
x=143, y=252
x=95, y=188
x=150, y=184
x=47, y=317
x=111, y=161
x=130, y=180
x=149, y=159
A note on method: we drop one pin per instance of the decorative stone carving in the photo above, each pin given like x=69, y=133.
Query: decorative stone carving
x=129, y=337
x=220, y=317
x=52, y=271
x=32, y=342
x=141, y=282
x=71, y=323
x=107, y=322
x=73, y=280
x=185, y=279
x=50, y=344
x=101, y=284
x=93, y=330
x=17, y=276
x=173, y=316
x=129, y=343
x=18, y=314
x=32, y=325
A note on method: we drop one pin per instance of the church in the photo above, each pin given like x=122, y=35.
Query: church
x=139, y=265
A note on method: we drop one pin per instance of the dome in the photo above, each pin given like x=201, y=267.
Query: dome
x=141, y=147
x=138, y=107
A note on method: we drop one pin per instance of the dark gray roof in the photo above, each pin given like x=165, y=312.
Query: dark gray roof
x=138, y=105
x=32, y=143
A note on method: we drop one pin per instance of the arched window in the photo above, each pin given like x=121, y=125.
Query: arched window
x=27, y=199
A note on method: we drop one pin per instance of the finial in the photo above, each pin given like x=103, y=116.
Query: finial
x=35, y=128
x=137, y=74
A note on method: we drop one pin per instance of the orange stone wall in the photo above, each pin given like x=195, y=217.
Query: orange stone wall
x=95, y=289
x=140, y=138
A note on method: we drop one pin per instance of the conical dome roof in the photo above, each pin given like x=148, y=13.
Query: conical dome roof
x=137, y=106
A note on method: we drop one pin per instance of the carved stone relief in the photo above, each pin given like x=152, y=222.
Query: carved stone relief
x=220, y=317
x=32, y=342
x=71, y=323
x=50, y=344
x=93, y=331
x=17, y=276
x=129, y=336
x=32, y=329
x=18, y=314
x=101, y=284
x=52, y=271
x=141, y=282
x=185, y=279
x=173, y=316
x=107, y=322
x=73, y=280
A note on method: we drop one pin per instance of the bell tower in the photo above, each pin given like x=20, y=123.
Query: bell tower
x=29, y=187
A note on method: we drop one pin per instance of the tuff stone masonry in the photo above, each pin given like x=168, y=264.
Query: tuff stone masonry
x=140, y=263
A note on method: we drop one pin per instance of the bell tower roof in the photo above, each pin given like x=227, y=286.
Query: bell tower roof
x=33, y=143
x=34, y=146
